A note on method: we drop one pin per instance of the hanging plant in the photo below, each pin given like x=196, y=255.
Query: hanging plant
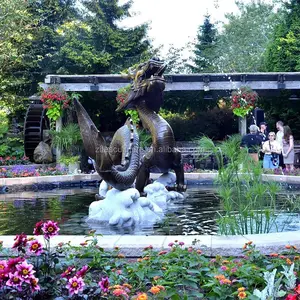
x=122, y=95
x=243, y=100
x=55, y=100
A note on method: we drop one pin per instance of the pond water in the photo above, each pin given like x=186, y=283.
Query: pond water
x=194, y=215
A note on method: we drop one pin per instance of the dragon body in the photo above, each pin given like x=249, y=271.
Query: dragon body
x=146, y=96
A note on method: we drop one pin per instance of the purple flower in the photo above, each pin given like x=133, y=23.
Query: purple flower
x=75, y=285
x=25, y=271
x=14, y=280
x=224, y=268
x=82, y=271
x=34, y=284
x=104, y=284
x=171, y=244
x=181, y=243
x=50, y=229
x=233, y=270
x=68, y=273
x=36, y=247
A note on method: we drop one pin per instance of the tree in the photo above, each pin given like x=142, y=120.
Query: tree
x=283, y=53
x=204, y=48
x=96, y=44
x=245, y=36
x=16, y=33
x=176, y=59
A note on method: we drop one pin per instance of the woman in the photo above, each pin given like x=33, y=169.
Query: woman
x=288, y=148
x=271, y=149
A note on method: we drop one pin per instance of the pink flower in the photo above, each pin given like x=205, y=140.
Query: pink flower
x=82, y=271
x=224, y=268
x=68, y=273
x=14, y=280
x=104, y=284
x=34, y=284
x=181, y=243
x=75, y=285
x=12, y=262
x=3, y=270
x=20, y=241
x=3, y=265
x=50, y=229
x=25, y=271
x=233, y=269
x=171, y=244
x=120, y=292
x=36, y=247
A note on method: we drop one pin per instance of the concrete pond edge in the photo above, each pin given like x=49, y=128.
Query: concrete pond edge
x=210, y=245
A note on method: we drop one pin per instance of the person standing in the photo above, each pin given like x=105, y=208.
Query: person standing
x=263, y=132
x=252, y=141
x=279, y=139
x=271, y=149
x=288, y=148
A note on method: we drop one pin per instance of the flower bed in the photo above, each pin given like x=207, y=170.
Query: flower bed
x=37, y=271
x=29, y=171
x=12, y=160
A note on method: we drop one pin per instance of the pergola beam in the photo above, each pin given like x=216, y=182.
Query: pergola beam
x=190, y=82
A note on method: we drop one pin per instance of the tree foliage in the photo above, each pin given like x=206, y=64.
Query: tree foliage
x=283, y=54
x=243, y=38
x=40, y=37
x=205, y=48
x=17, y=30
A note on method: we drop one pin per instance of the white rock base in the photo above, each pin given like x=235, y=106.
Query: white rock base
x=127, y=208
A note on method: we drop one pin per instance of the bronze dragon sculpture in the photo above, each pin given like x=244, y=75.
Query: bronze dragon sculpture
x=146, y=96
x=118, y=164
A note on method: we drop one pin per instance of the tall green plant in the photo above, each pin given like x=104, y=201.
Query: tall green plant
x=248, y=203
x=68, y=139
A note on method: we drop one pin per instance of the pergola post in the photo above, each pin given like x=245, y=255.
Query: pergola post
x=243, y=125
x=58, y=127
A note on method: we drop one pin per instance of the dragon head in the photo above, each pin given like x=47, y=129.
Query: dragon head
x=148, y=84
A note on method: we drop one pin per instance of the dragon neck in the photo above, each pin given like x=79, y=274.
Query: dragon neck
x=157, y=125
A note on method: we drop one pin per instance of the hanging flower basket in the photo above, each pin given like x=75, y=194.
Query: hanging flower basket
x=243, y=100
x=55, y=100
x=122, y=94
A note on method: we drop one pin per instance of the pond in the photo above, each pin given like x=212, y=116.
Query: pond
x=194, y=215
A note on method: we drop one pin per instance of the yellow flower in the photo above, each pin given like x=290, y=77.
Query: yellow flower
x=241, y=289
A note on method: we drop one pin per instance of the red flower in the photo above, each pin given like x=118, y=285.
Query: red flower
x=38, y=228
x=20, y=241
x=291, y=297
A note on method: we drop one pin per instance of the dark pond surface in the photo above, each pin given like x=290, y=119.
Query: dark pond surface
x=194, y=215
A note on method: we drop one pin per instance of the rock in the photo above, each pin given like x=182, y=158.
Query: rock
x=42, y=154
x=167, y=179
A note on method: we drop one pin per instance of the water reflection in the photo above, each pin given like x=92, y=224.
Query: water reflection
x=196, y=214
